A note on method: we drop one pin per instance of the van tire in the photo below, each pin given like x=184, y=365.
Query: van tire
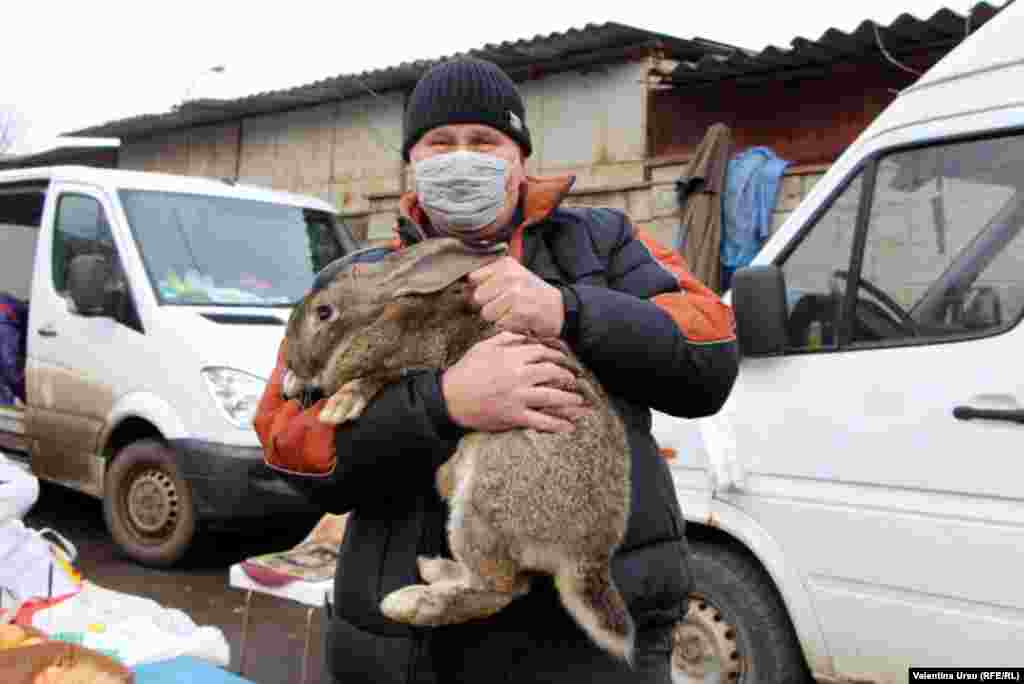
x=148, y=505
x=736, y=613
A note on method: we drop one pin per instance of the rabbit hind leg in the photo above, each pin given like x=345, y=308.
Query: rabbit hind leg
x=443, y=603
x=479, y=584
x=435, y=570
x=491, y=577
x=457, y=595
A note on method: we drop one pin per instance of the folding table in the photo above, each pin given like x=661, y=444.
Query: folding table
x=312, y=594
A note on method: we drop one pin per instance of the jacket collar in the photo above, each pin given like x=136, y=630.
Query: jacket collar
x=539, y=196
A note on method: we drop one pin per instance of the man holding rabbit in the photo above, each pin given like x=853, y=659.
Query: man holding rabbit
x=654, y=336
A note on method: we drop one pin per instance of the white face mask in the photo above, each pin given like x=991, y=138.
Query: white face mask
x=461, y=192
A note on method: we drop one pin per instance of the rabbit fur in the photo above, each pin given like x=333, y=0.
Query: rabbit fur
x=521, y=501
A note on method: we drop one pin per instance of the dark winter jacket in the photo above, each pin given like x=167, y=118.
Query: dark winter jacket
x=654, y=336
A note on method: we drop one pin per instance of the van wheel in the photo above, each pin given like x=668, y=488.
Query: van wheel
x=148, y=504
x=736, y=628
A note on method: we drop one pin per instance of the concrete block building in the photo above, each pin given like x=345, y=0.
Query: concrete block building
x=622, y=108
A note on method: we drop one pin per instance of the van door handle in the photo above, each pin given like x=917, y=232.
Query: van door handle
x=48, y=331
x=969, y=412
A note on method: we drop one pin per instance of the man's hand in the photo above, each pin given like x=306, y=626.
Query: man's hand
x=497, y=386
x=516, y=300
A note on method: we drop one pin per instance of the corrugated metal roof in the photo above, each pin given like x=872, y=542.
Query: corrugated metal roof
x=904, y=35
x=594, y=43
x=93, y=151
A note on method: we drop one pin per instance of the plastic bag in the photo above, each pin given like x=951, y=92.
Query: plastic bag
x=19, y=490
x=131, y=629
x=35, y=564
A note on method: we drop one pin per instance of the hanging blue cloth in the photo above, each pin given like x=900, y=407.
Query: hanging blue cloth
x=751, y=188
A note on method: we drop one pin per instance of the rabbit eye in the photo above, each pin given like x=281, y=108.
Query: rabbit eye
x=323, y=312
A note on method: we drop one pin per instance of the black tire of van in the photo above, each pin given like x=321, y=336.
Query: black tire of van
x=736, y=615
x=160, y=536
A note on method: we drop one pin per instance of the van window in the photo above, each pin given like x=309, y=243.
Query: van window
x=944, y=254
x=22, y=205
x=81, y=227
x=227, y=251
x=812, y=286
x=21, y=212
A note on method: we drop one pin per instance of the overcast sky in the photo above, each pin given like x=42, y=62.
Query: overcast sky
x=68, y=65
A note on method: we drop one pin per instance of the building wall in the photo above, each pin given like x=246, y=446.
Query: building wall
x=806, y=119
x=166, y=153
x=98, y=157
x=590, y=124
x=657, y=209
x=213, y=151
x=289, y=151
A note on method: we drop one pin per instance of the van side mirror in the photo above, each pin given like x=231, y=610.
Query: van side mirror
x=759, y=302
x=88, y=280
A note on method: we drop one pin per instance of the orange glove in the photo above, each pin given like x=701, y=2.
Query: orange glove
x=294, y=441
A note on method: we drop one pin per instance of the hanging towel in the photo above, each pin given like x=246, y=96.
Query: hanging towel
x=700, y=196
x=751, y=189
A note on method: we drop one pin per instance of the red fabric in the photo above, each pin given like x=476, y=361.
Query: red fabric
x=293, y=440
x=698, y=311
x=29, y=608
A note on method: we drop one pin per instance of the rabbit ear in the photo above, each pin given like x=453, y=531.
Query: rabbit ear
x=432, y=265
x=345, y=263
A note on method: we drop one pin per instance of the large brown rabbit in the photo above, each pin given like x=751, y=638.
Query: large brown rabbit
x=520, y=501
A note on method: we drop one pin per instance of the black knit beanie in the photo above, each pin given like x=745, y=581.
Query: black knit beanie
x=465, y=90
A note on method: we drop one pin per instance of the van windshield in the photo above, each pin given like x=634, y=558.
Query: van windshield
x=222, y=251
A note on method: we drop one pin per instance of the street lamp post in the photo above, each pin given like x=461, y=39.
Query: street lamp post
x=218, y=69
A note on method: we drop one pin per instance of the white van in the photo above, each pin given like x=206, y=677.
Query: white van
x=857, y=508
x=155, y=307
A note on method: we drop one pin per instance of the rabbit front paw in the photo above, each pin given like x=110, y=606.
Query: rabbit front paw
x=346, y=404
x=291, y=386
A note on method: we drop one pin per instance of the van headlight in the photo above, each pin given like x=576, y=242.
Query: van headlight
x=237, y=393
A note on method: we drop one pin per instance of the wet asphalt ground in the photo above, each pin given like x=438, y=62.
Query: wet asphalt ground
x=199, y=585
